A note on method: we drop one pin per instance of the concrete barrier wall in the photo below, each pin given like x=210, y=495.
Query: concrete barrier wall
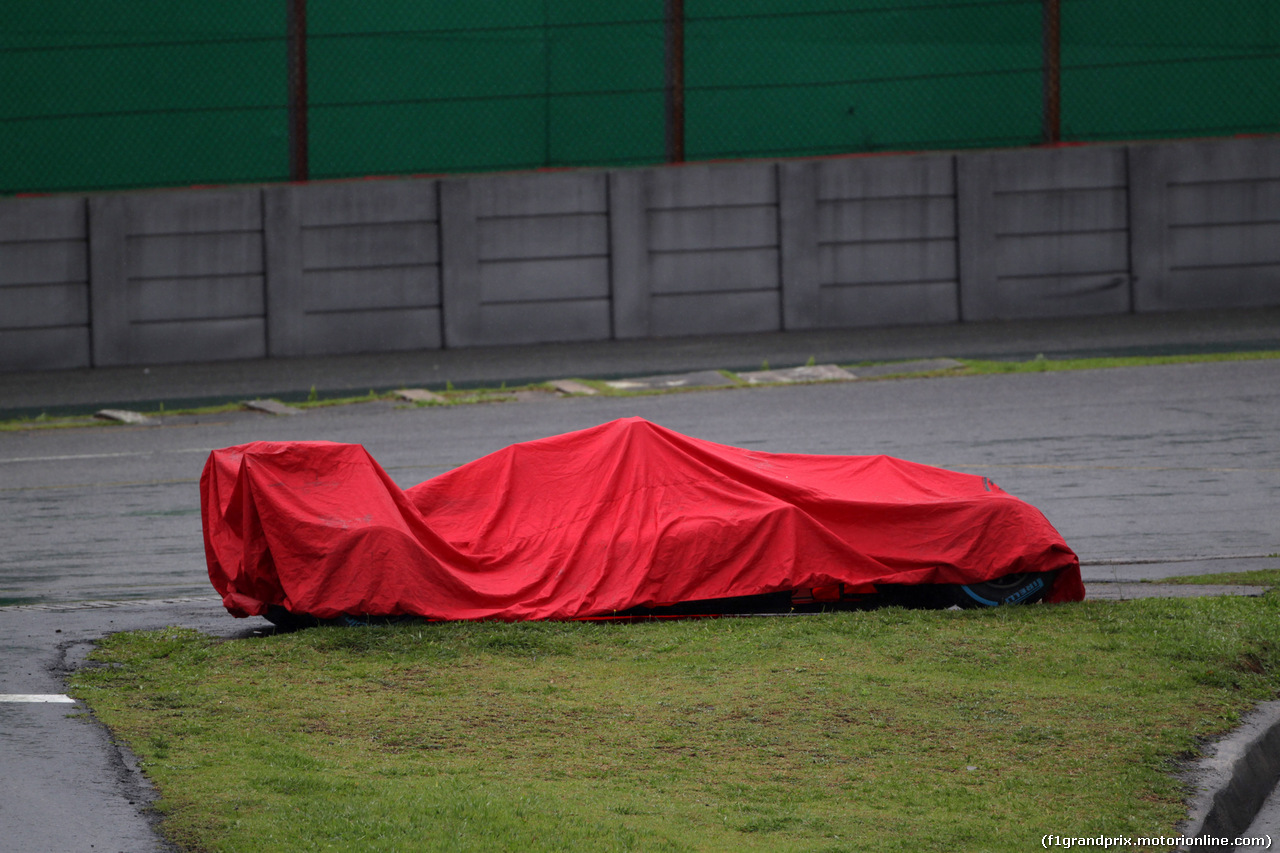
x=352, y=267
x=44, y=284
x=1044, y=234
x=869, y=242
x=526, y=258
x=177, y=277
x=1206, y=224
x=367, y=266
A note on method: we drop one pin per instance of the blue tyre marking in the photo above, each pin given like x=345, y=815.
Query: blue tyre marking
x=1029, y=589
x=984, y=601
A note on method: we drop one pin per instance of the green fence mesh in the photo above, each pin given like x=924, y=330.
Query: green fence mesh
x=129, y=93
x=399, y=87
x=125, y=93
x=1173, y=68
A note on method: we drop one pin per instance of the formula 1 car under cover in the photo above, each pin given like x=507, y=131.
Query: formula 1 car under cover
x=620, y=519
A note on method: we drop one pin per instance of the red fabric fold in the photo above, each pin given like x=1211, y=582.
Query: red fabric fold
x=593, y=522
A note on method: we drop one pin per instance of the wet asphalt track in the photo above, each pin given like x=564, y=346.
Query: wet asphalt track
x=1147, y=472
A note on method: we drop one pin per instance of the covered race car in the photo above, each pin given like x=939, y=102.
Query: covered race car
x=624, y=518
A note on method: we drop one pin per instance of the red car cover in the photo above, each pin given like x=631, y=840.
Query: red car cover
x=593, y=522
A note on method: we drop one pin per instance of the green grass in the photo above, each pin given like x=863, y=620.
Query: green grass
x=885, y=730
x=1256, y=577
x=1040, y=364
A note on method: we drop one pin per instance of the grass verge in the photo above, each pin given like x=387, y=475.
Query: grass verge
x=885, y=730
x=1256, y=577
x=1040, y=364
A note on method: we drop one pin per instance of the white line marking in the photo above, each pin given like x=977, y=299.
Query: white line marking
x=102, y=455
x=36, y=697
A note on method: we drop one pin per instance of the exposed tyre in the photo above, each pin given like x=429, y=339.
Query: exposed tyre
x=1023, y=588
x=286, y=620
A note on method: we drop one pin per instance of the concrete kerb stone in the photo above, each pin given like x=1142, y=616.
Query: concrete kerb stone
x=1235, y=778
x=697, y=379
x=271, y=407
x=418, y=395
x=125, y=416
x=807, y=373
x=803, y=373
x=570, y=387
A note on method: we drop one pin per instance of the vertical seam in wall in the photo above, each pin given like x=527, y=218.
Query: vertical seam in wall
x=440, y=249
x=610, y=263
x=88, y=274
x=776, y=169
x=958, y=264
x=1128, y=228
x=266, y=274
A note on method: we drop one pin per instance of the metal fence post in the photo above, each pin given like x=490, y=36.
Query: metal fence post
x=1051, y=29
x=675, y=80
x=297, y=58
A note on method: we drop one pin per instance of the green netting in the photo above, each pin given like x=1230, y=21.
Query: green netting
x=129, y=93
x=111, y=94
x=496, y=86
x=1177, y=68
x=779, y=78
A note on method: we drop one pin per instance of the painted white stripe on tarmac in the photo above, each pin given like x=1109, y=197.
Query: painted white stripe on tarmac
x=102, y=455
x=35, y=697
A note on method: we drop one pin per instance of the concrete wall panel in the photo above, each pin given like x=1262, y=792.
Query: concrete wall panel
x=389, y=330
x=712, y=185
x=538, y=266
x=1205, y=220
x=690, y=229
x=179, y=276
x=43, y=306
x=369, y=246
x=887, y=305
x=1104, y=209
x=1223, y=202
x=538, y=322
x=713, y=248
x=369, y=203
x=574, y=235
x=712, y=232
x=1226, y=245
x=704, y=272
x=630, y=273
x=541, y=194
x=1064, y=253
x=197, y=340
x=886, y=241
x=177, y=256
x=716, y=313
x=44, y=284
x=44, y=348
x=913, y=176
x=550, y=279
x=220, y=297
x=195, y=212
x=360, y=267
x=44, y=262
x=42, y=219
x=408, y=287
x=1043, y=233
x=862, y=220
x=931, y=261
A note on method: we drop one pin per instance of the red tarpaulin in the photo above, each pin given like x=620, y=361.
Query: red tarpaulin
x=597, y=521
